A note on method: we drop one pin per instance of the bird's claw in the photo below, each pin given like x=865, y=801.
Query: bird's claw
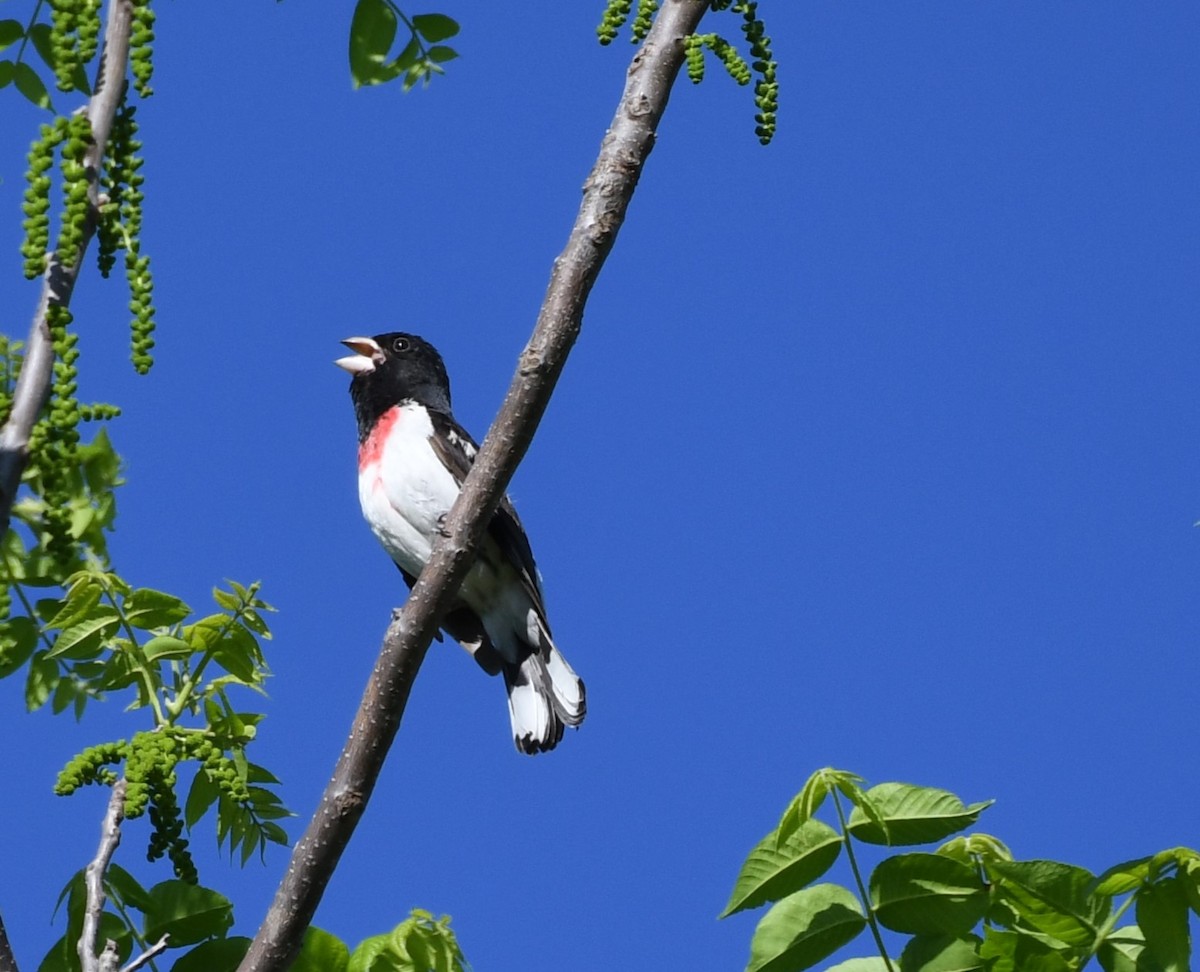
x=441, y=526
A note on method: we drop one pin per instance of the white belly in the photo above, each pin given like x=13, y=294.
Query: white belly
x=404, y=489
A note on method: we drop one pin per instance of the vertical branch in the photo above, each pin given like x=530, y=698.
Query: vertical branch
x=607, y=193
x=93, y=877
x=8, y=961
x=58, y=283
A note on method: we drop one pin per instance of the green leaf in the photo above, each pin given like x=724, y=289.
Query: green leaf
x=6, y=73
x=202, y=795
x=1123, y=877
x=40, y=35
x=372, y=31
x=230, y=602
x=913, y=815
x=864, y=805
x=43, y=677
x=773, y=871
x=146, y=609
x=83, y=639
x=166, y=646
x=1162, y=915
x=60, y=958
x=435, y=27
x=321, y=952
x=806, y=803
x=875, y=964
x=1010, y=951
x=18, y=639
x=440, y=54
x=76, y=606
x=368, y=952
x=804, y=928
x=187, y=912
x=124, y=887
x=1125, y=951
x=219, y=955
x=927, y=894
x=972, y=846
x=1052, y=898
x=11, y=31
x=31, y=86
x=944, y=953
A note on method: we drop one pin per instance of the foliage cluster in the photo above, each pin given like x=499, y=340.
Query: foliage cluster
x=966, y=905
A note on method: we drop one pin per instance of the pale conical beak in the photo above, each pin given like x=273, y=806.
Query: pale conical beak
x=367, y=355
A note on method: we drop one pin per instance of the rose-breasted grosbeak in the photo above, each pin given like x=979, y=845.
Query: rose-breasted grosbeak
x=412, y=460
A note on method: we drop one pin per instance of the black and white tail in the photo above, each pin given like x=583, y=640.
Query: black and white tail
x=544, y=696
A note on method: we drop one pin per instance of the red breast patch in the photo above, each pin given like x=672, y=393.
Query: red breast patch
x=371, y=450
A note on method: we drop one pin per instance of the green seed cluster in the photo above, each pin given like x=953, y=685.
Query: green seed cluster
x=693, y=52
x=141, y=60
x=615, y=14
x=98, y=412
x=76, y=206
x=90, y=766
x=645, y=17
x=166, y=837
x=36, y=205
x=59, y=438
x=10, y=370
x=74, y=38
x=766, y=89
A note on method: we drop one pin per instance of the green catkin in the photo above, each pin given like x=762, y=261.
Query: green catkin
x=89, y=30
x=76, y=205
x=766, y=89
x=120, y=163
x=36, y=204
x=693, y=51
x=141, y=60
x=60, y=438
x=616, y=12
x=645, y=17
x=65, y=18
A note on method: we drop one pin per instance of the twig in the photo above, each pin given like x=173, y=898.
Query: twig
x=147, y=956
x=8, y=961
x=93, y=878
x=58, y=283
x=607, y=193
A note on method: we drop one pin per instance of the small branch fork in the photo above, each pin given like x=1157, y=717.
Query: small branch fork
x=607, y=193
x=93, y=879
x=58, y=283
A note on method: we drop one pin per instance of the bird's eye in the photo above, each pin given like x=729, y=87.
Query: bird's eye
x=400, y=345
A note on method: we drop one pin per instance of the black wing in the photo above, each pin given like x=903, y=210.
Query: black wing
x=455, y=447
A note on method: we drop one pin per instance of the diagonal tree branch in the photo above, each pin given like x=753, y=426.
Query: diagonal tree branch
x=58, y=283
x=8, y=961
x=607, y=193
x=93, y=876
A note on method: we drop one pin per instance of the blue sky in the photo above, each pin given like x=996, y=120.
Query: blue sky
x=878, y=449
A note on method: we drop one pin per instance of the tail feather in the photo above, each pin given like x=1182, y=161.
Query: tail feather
x=544, y=696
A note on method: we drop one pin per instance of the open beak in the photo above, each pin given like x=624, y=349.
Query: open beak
x=367, y=355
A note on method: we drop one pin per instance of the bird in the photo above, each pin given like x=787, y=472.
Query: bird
x=412, y=459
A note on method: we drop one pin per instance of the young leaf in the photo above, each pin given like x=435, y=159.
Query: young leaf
x=435, y=27
x=321, y=952
x=984, y=846
x=166, y=646
x=82, y=639
x=11, y=31
x=30, y=85
x=218, y=955
x=1052, y=898
x=773, y=871
x=804, y=928
x=1124, y=951
x=912, y=815
x=806, y=803
x=875, y=964
x=18, y=639
x=202, y=795
x=927, y=894
x=1013, y=951
x=440, y=54
x=372, y=31
x=43, y=677
x=147, y=609
x=1162, y=915
x=125, y=888
x=187, y=912
x=1123, y=877
x=946, y=953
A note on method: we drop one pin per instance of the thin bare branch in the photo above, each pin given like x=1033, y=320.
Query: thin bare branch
x=8, y=961
x=148, y=956
x=58, y=283
x=93, y=878
x=607, y=193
